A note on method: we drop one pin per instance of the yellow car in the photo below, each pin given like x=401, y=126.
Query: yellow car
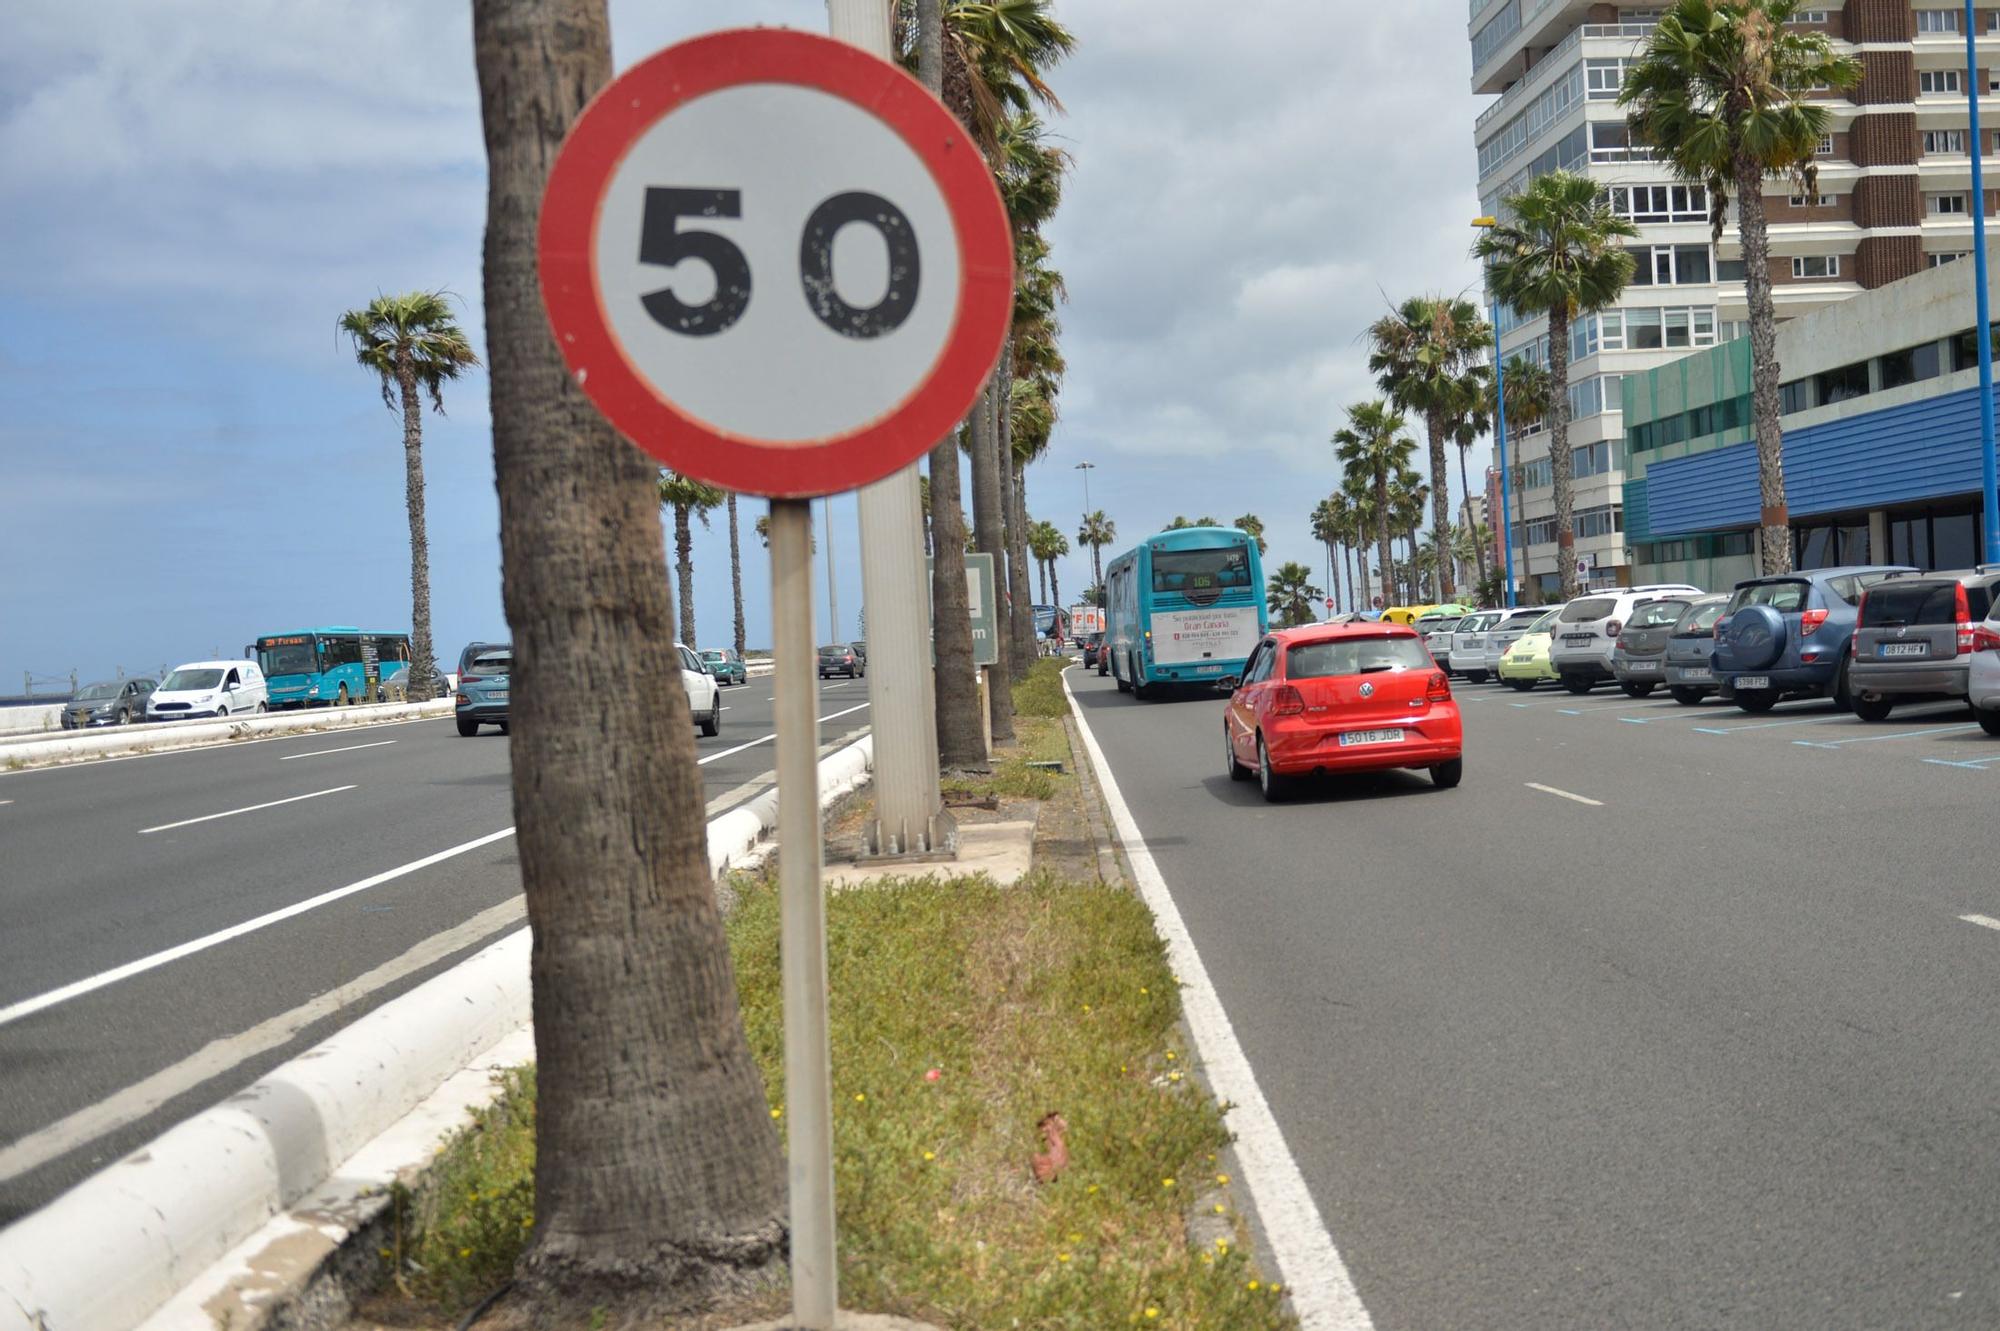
x=1526, y=663
x=1409, y=614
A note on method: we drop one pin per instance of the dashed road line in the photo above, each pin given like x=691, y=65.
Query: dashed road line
x=1983, y=921
x=251, y=808
x=1564, y=794
x=318, y=753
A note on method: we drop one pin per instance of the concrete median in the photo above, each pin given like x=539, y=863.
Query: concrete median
x=124, y=741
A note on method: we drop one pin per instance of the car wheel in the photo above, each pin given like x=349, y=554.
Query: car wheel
x=1637, y=688
x=711, y=724
x=1843, y=693
x=1989, y=719
x=467, y=727
x=1447, y=775
x=1873, y=709
x=1275, y=785
x=1475, y=676
x=263, y=708
x=1519, y=685
x=1577, y=683
x=1757, y=700
x=222, y=713
x=124, y=716
x=1237, y=771
x=1686, y=696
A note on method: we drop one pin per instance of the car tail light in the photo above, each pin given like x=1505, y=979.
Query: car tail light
x=1285, y=701
x=1810, y=621
x=1611, y=628
x=1985, y=639
x=1440, y=687
x=1966, y=628
x=463, y=701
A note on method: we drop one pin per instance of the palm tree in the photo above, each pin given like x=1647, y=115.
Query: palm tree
x=1722, y=92
x=1254, y=525
x=1048, y=544
x=1096, y=531
x=652, y=1134
x=1359, y=492
x=413, y=346
x=1329, y=528
x=1559, y=256
x=1407, y=496
x=736, y=571
x=1527, y=393
x=687, y=497
x=1428, y=356
x=1182, y=522
x=1372, y=445
x=1292, y=594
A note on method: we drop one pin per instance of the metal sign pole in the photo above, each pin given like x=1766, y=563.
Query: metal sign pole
x=808, y=1063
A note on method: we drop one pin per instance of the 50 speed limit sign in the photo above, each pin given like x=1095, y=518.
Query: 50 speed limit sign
x=775, y=262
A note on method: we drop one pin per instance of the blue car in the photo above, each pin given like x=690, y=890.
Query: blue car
x=482, y=690
x=1785, y=635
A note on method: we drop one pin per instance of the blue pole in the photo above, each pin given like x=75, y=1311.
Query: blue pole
x=1990, y=492
x=1500, y=448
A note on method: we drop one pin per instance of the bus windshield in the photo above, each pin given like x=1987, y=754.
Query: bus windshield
x=287, y=656
x=1201, y=570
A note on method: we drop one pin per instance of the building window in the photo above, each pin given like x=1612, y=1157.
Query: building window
x=1965, y=349
x=1610, y=142
x=1671, y=265
x=1537, y=474
x=1603, y=520
x=1934, y=81
x=1660, y=203
x=1730, y=329
x=1795, y=396
x=1539, y=114
x=1729, y=270
x=1945, y=205
x=1540, y=531
x=1910, y=365
x=1815, y=201
x=1604, y=78
x=1816, y=265
x=1843, y=384
x=1936, y=20
x=1732, y=543
x=1940, y=260
x=1944, y=142
x=1666, y=552
x=1826, y=145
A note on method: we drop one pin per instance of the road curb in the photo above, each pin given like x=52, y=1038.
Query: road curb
x=166, y=738
x=233, y=1216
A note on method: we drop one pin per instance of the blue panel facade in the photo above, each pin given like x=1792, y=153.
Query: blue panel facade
x=1638, y=511
x=1920, y=450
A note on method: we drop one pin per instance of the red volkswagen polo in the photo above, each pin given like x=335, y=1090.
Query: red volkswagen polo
x=1341, y=698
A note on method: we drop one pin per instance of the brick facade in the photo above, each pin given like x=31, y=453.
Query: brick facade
x=1879, y=21
x=1887, y=201
x=1880, y=260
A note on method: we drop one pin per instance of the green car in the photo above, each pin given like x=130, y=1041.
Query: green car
x=726, y=666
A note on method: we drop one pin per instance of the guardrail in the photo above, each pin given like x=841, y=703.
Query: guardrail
x=73, y=746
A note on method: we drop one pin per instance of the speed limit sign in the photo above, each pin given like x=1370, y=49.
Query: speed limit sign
x=775, y=262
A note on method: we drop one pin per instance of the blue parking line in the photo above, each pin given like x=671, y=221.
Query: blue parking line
x=1870, y=739
x=1633, y=720
x=1569, y=711
x=1762, y=725
x=1970, y=764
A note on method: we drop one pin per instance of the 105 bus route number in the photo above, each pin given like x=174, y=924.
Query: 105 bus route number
x=665, y=241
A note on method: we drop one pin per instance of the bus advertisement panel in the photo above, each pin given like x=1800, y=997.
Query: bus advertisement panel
x=1184, y=607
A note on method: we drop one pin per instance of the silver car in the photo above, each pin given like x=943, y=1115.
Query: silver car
x=1690, y=667
x=1468, y=644
x=1437, y=630
x=1504, y=634
x=1915, y=637
x=1638, y=657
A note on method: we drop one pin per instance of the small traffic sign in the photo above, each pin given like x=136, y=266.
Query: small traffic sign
x=1329, y=605
x=775, y=262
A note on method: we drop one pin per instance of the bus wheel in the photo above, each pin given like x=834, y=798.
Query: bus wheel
x=340, y=700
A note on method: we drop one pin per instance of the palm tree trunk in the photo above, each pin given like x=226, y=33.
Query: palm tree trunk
x=1447, y=586
x=684, y=570
x=1361, y=567
x=1775, y=521
x=1478, y=546
x=736, y=572
x=1017, y=559
x=1042, y=577
x=1559, y=451
x=988, y=534
x=1521, y=527
x=659, y=1180
x=423, y=658
x=961, y=731
x=1387, y=561
x=1055, y=585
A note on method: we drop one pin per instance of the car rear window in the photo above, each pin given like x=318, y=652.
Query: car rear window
x=1908, y=601
x=1698, y=621
x=491, y=663
x=1438, y=625
x=1591, y=607
x=1354, y=656
x=1787, y=596
x=1655, y=613
x=1522, y=619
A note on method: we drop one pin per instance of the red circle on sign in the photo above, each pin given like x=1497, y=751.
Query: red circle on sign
x=640, y=98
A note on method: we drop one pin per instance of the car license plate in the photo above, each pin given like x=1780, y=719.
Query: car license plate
x=1753, y=682
x=1697, y=672
x=498, y=695
x=1578, y=637
x=1643, y=667
x=1354, y=737
x=1905, y=649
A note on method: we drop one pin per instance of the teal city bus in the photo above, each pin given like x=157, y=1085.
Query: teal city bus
x=329, y=666
x=1184, y=607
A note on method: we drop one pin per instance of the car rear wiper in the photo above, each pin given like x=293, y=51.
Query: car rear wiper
x=1376, y=669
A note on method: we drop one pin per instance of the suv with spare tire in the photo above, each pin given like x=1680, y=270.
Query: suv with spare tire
x=1786, y=635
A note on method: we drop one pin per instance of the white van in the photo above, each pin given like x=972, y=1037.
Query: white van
x=209, y=688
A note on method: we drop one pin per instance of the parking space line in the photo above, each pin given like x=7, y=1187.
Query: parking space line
x=231, y=813
x=1983, y=921
x=1870, y=739
x=347, y=749
x=1563, y=794
x=1766, y=725
x=1633, y=720
x=1970, y=764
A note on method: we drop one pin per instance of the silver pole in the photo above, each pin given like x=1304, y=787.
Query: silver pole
x=802, y=937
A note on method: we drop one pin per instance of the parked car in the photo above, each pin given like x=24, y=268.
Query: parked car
x=1915, y=637
x=1786, y=635
x=484, y=688
x=839, y=660
x=1589, y=626
x=1526, y=661
x=396, y=684
x=1689, y=667
x=209, y=688
x=1639, y=656
x=117, y=702
x=726, y=665
x=1436, y=631
x=704, y=693
x=1468, y=645
x=860, y=650
x=1983, y=673
x=1341, y=698
x=1506, y=632
x=1093, y=647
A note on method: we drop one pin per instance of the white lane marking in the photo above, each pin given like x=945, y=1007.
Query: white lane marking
x=218, y=744
x=766, y=739
x=349, y=749
x=1984, y=921
x=250, y=808
x=41, y=1002
x=220, y=1055
x=6, y=801
x=1551, y=790
x=1323, y=1294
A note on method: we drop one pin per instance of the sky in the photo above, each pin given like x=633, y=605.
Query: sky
x=190, y=195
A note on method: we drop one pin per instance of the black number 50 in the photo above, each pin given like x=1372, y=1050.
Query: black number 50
x=664, y=241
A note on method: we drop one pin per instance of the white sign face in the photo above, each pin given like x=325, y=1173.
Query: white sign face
x=1184, y=636
x=779, y=286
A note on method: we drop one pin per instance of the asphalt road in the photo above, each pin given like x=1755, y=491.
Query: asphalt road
x=1715, y=1051
x=105, y=866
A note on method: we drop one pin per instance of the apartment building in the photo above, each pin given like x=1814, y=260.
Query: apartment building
x=1892, y=198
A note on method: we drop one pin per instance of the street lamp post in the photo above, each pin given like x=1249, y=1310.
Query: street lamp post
x=1086, y=468
x=1500, y=434
x=1989, y=489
